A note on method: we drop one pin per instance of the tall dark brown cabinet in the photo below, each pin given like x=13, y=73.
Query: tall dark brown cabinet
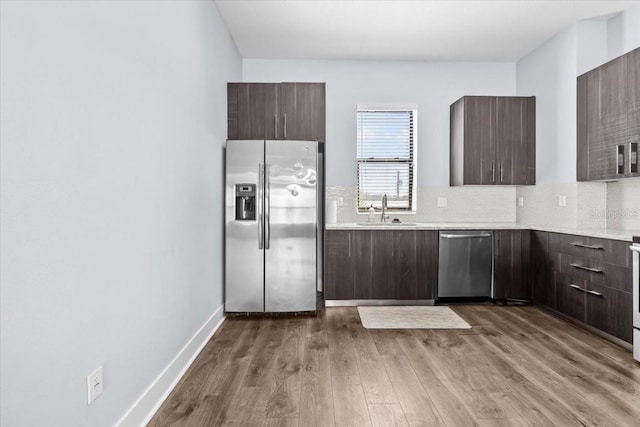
x=493, y=141
x=608, y=119
x=288, y=111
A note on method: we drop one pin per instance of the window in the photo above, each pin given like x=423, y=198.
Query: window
x=386, y=150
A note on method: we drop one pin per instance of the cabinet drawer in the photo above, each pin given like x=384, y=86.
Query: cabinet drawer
x=609, y=310
x=568, y=299
x=594, y=272
x=592, y=248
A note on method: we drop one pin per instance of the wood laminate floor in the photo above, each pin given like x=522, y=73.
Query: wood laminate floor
x=517, y=366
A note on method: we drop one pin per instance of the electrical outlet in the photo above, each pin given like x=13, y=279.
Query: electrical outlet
x=521, y=201
x=95, y=384
x=442, y=202
x=562, y=201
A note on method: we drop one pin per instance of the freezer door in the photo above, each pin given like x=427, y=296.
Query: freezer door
x=290, y=225
x=244, y=260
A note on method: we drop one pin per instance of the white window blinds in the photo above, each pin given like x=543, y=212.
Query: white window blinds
x=386, y=147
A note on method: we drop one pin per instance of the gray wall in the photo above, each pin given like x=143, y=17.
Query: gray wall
x=432, y=86
x=549, y=73
x=113, y=122
x=623, y=34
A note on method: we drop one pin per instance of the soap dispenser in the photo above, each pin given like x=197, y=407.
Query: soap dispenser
x=372, y=214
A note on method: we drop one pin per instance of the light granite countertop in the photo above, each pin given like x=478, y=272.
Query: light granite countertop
x=604, y=233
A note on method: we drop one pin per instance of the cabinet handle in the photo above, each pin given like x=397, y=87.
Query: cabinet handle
x=576, y=287
x=464, y=236
x=275, y=126
x=349, y=244
x=633, y=157
x=582, y=267
x=582, y=245
x=620, y=159
x=493, y=171
x=260, y=206
x=285, y=125
x=598, y=294
x=501, y=171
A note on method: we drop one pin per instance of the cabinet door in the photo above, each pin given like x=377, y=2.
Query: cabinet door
x=582, y=147
x=416, y=264
x=594, y=127
x=302, y=111
x=427, y=263
x=406, y=283
x=480, y=140
x=511, y=149
x=251, y=110
x=633, y=112
x=543, y=286
x=339, y=271
x=374, y=267
x=614, y=107
x=511, y=278
x=608, y=84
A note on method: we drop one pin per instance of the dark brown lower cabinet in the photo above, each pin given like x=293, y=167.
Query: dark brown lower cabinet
x=608, y=309
x=589, y=280
x=417, y=266
x=511, y=275
x=339, y=271
x=374, y=264
x=569, y=300
x=544, y=288
x=381, y=264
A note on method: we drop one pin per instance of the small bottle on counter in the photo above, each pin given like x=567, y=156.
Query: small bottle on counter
x=372, y=214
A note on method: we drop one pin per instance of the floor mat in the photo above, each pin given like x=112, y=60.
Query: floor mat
x=410, y=317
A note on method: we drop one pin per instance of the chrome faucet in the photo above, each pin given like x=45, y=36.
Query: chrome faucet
x=384, y=206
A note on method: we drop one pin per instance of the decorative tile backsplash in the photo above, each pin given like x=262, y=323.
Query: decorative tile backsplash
x=613, y=205
x=599, y=205
x=623, y=205
x=582, y=201
x=464, y=204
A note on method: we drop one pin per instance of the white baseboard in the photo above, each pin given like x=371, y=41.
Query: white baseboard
x=141, y=412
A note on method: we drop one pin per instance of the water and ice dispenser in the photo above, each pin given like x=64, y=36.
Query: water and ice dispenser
x=245, y=202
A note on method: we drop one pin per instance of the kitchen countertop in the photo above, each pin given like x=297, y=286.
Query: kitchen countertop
x=603, y=233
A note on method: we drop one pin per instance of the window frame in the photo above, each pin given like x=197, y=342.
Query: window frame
x=412, y=162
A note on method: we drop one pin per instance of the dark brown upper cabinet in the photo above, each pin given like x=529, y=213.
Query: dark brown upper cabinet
x=608, y=120
x=493, y=141
x=288, y=111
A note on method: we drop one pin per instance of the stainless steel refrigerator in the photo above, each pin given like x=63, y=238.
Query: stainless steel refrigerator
x=273, y=190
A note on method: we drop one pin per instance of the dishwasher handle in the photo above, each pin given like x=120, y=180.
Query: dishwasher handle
x=464, y=236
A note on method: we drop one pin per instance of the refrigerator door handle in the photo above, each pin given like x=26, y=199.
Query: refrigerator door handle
x=267, y=207
x=260, y=206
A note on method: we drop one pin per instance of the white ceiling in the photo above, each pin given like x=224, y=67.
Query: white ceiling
x=402, y=30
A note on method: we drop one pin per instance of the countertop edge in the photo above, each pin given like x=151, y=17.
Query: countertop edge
x=613, y=234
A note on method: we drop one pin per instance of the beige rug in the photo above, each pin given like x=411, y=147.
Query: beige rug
x=410, y=317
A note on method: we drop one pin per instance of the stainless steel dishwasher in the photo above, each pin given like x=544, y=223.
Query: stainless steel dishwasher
x=465, y=264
